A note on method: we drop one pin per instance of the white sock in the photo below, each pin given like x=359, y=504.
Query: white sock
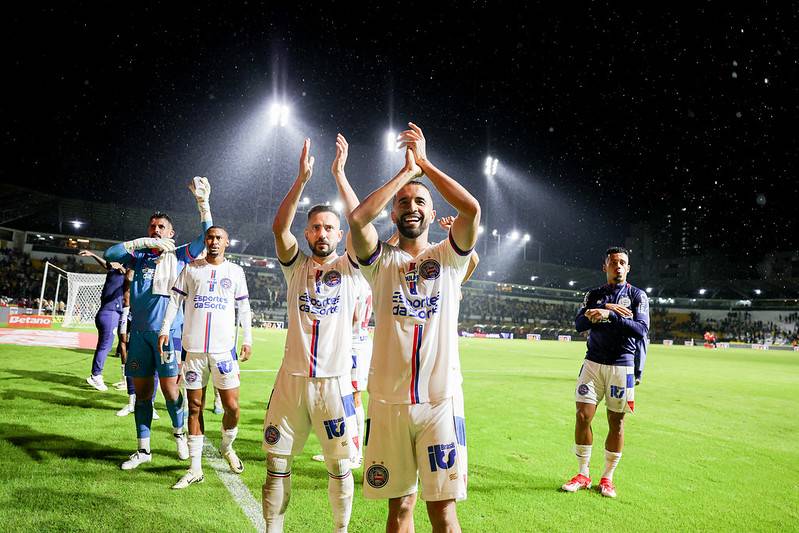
x=144, y=444
x=196, y=453
x=583, y=453
x=131, y=401
x=276, y=491
x=360, y=418
x=611, y=462
x=228, y=436
x=340, y=488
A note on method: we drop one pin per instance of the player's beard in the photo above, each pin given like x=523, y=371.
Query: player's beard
x=318, y=252
x=412, y=232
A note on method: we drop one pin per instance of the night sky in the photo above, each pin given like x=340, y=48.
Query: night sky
x=602, y=117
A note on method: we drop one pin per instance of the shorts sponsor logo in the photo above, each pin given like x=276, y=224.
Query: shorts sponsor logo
x=225, y=367
x=192, y=376
x=625, y=301
x=332, y=278
x=134, y=365
x=377, y=476
x=430, y=269
x=271, y=435
x=226, y=283
x=442, y=456
x=582, y=390
x=616, y=391
x=335, y=428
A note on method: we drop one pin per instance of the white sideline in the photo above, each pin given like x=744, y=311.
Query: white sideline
x=235, y=486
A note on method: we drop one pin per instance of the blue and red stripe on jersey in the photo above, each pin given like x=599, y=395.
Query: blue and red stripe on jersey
x=418, y=330
x=314, y=348
x=207, y=331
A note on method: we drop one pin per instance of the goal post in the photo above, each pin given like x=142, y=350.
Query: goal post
x=83, y=295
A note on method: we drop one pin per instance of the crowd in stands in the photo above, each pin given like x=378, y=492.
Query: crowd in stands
x=738, y=326
x=521, y=313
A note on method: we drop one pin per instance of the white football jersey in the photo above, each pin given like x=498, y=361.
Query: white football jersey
x=416, y=302
x=321, y=299
x=363, y=311
x=211, y=293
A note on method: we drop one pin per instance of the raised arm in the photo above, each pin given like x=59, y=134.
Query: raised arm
x=86, y=253
x=285, y=243
x=201, y=190
x=464, y=228
x=344, y=188
x=364, y=234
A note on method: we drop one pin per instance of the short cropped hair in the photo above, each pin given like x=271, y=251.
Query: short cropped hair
x=216, y=227
x=321, y=208
x=616, y=250
x=159, y=214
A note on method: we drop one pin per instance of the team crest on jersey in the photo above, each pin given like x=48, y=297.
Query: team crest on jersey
x=332, y=278
x=377, y=476
x=192, y=376
x=625, y=301
x=582, y=390
x=430, y=269
x=226, y=283
x=271, y=435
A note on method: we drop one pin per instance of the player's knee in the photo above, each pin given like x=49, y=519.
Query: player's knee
x=231, y=406
x=616, y=423
x=400, y=509
x=195, y=405
x=278, y=465
x=584, y=417
x=443, y=515
x=337, y=468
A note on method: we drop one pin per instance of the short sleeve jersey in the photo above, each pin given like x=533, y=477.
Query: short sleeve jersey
x=416, y=304
x=320, y=300
x=211, y=293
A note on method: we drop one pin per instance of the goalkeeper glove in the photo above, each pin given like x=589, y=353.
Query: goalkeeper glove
x=144, y=243
x=201, y=190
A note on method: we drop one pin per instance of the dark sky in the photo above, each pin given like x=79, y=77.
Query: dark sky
x=601, y=116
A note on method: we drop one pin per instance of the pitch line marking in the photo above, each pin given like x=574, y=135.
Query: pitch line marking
x=235, y=486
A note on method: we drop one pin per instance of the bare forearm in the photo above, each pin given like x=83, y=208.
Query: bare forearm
x=371, y=206
x=346, y=192
x=452, y=191
x=288, y=208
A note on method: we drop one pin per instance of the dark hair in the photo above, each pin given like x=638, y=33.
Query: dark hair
x=159, y=214
x=321, y=208
x=616, y=250
x=415, y=182
x=217, y=227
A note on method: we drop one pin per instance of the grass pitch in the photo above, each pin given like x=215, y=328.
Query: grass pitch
x=712, y=446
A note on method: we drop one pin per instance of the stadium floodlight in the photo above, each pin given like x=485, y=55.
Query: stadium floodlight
x=495, y=233
x=533, y=278
x=480, y=229
x=76, y=224
x=338, y=205
x=490, y=166
x=514, y=235
x=702, y=291
x=572, y=283
x=234, y=242
x=526, y=237
x=490, y=273
x=649, y=290
x=391, y=142
x=305, y=201
x=758, y=292
x=382, y=214
x=279, y=114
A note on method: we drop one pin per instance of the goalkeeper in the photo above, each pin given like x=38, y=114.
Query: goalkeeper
x=156, y=263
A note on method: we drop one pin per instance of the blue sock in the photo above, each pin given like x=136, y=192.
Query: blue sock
x=175, y=410
x=129, y=383
x=143, y=414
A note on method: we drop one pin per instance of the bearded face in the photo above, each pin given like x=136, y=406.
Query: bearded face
x=323, y=234
x=412, y=211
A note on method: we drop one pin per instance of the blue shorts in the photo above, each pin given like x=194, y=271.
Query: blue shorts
x=144, y=358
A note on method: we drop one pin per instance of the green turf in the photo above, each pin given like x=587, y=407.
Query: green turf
x=713, y=446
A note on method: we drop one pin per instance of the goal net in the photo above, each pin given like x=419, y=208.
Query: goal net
x=83, y=295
